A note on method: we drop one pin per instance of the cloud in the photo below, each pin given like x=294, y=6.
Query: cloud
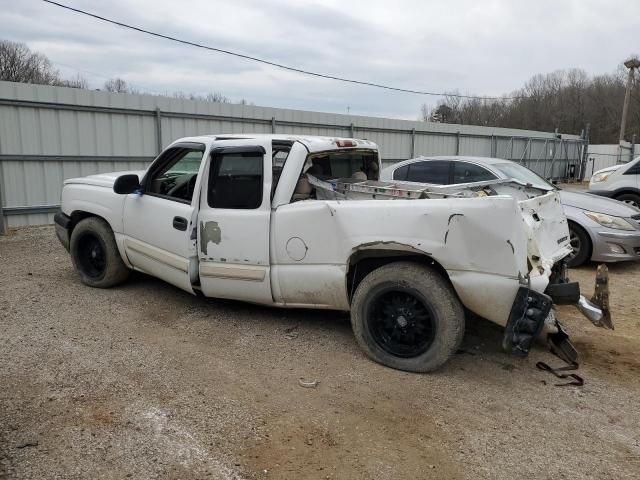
x=486, y=48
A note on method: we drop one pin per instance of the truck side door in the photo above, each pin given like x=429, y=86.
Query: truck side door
x=158, y=224
x=234, y=221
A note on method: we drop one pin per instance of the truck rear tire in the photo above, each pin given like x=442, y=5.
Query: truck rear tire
x=95, y=254
x=406, y=316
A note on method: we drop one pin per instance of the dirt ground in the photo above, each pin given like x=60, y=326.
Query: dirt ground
x=145, y=381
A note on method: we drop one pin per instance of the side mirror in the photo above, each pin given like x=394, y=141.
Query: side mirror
x=126, y=184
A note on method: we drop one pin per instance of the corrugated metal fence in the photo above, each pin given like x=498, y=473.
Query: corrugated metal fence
x=48, y=134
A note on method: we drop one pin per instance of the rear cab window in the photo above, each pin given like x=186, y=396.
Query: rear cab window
x=353, y=164
x=343, y=164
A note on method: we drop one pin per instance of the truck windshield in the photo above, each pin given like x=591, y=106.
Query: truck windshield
x=523, y=174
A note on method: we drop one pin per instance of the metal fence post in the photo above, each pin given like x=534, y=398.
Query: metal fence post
x=351, y=131
x=585, y=152
x=633, y=146
x=553, y=158
x=458, y=142
x=544, y=159
x=524, y=152
x=3, y=219
x=158, y=131
x=413, y=142
x=273, y=124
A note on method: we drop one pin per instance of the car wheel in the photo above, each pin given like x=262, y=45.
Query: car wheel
x=581, y=245
x=630, y=198
x=406, y=316
x=95, y=254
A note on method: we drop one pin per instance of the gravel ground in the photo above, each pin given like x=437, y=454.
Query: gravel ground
x=146, y=381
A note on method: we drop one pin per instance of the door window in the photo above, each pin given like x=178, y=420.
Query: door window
x=235, y=180
x=176, y=179
x=464, y=172
x=435, y=171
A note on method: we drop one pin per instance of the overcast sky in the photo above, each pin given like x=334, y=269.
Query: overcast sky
x=477, y=47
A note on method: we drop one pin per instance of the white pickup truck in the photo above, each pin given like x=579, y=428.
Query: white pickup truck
x=244, y=217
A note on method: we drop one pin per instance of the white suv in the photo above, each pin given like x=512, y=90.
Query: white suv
x=620, y=182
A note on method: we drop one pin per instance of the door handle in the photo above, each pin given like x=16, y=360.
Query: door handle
x=180, y=223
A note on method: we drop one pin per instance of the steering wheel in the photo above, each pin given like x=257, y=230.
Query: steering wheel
x=184, y=187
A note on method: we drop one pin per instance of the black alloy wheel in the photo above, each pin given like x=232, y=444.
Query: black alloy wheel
x=92, y=256
x=401, y=323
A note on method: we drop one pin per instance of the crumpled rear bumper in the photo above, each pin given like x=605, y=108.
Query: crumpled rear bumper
x=528, y=313
x=531, y=309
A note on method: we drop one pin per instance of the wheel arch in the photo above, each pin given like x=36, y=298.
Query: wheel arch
x=102, y=248
x=78, y=215
x=587, y=232
x=365, y=260
x=624, y=191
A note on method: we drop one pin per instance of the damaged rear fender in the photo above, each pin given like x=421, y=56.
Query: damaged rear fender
x=370, y=256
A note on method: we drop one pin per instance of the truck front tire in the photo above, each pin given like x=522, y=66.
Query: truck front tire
x=95, y=254
x=406, y=316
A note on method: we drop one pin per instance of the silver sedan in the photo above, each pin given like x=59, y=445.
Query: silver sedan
x=601, y=229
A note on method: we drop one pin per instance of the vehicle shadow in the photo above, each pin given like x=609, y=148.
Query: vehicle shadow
x=481, y=336
x=232, y=310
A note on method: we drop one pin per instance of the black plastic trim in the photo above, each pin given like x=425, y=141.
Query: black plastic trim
x=564, y=293
x=238, y=149
x=529, y=311
x=62, y=219
x=180, y=223
x=62, y=224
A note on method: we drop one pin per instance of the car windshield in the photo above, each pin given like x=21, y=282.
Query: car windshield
x=523, y=174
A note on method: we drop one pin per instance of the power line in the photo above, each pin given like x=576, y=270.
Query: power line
x=274, y=64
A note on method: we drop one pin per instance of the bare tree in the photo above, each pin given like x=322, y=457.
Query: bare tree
x=214, y=97
x=117, y=85
x=566, y=99
x=74, y=82
x=19, y=64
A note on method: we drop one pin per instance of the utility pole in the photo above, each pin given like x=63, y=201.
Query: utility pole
x=631, y=64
